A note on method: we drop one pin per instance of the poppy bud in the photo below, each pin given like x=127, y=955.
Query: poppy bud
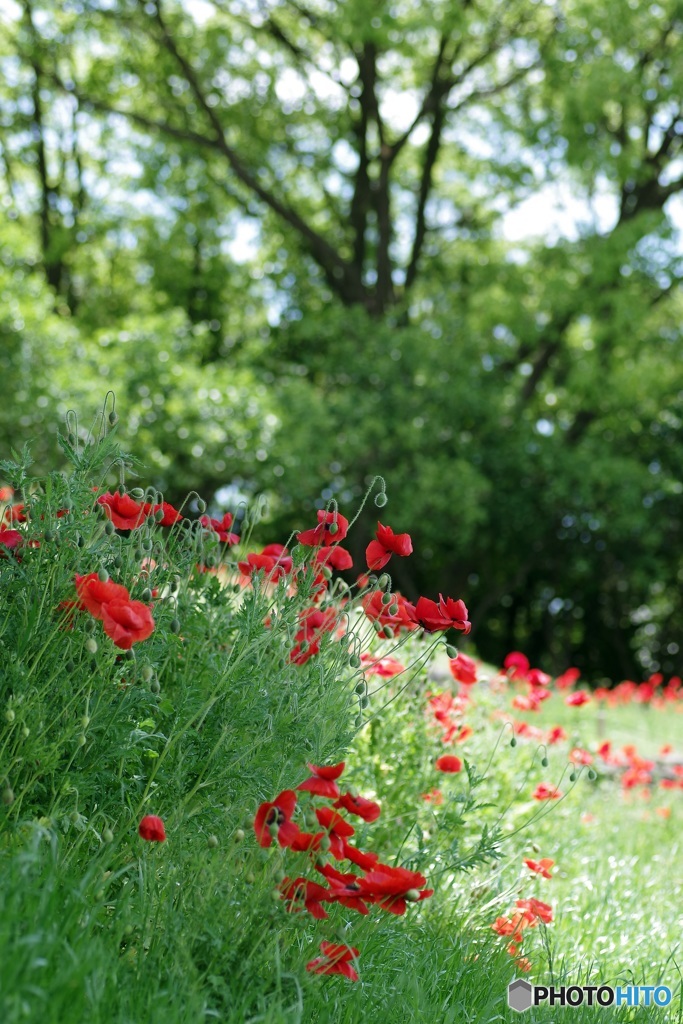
x=8, y=796
x=513, y=742
x=250, y=877
x=381, y=499
x=151, y=520
x=387, y=599
x=159, y=515
x=239, y=835
x=74, y=817
x=85, y=721
x=413, y=896
x=572, y=777
x=201, y=505
x=81, y=741
x=25, y=731
x=154, y=686
x=71, y=438
x=383, y=581
x=70, y=666
x=118, y=561
x=147, y=544
x=109, y=528
x=113, y=418
x=68, y=504
x=592, y=774
x=358, y=721
x=89, y=626
x=91, y=645
x=354, y=661
x=327, y=572
x=146, y=594
x=174, y=626
x=49, y=535
x=80, y=541
x=361, y=688
x=388, y=632
x=137, y=493
x=364, y=701
x=325, y=843
x=107, y=835
x=10, y=716
x=393, y=609
x=212, y=842
x=332, y=529
x=103, y=575
x=451, y=651
x=146, y=672
x=544, y=762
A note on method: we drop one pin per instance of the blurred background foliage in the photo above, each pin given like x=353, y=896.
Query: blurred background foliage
x=308, y=241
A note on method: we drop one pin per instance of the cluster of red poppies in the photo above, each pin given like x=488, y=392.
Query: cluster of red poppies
x=390, y=888
x=126, y=622
x=528, y=913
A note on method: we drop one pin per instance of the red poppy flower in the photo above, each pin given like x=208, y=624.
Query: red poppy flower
x=267, y=564
x=518, y=663
x=384, y=667
x=579, y=756
x=10, y=539
x=281, y=555
x=575, y=700
x=338, y=830
x=299, y=654
x=323, y=780
x=335, y=557
x=361, y=858
x=127, y=622
x=556, y=734
x=446, y=615
x=332, y=527
x=274, y=815
x=545, y=792
x=93, y=593
x=387, y=543
x=540, y=867
x=6, y=493
x=537, y=908
x=568, y=678
x=313, y=623
x=221, y=527
x=302, y=894
x=391, y=888
x=335, y=960
x=511, y=926
x=16, y=513
x=402, y=618
x=152, y=829
x=368, y=810
x=343, y=889
x=124, y=513
x=464, y=669
x=170, y=517
x=434, y=796
x=448, y=763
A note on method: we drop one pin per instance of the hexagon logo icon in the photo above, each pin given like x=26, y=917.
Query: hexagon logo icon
x=519, y=995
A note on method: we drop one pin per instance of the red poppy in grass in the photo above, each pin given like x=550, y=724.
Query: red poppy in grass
x=270, y=567
x=635, y=776
x=568, y=678
x=221, y=527
x=537, y=678
x=271, y=817
x=434, y=796
x=448, y=763
x=447, y=614
x=152, y=829
x=386, y=544
x=301, y=652
x=322, y=781
x=335, y=557
x=545, y=792
x=332, y=527
x=93, y=593
x=576, y=699
x=540, y=867
x=302, y=894
x=392, y=888
x=368, y=810
x=281, y=555
x=6, y=493
x=523, y=964
x=16, y=513
x=127, y=622
x=170, y=517
x=579, y=756
x=361, y=858
x=464, y=669
x=338, y=830
x=344, y=888
x=510, y=926
x=526, y=702
x=124, y=513
x=10, y=539
x=516, y=664
x=537, y=908
x=335, y=960
x=402, y=618
x=293, y=838
x=384, y=667
x=313, y=623
x=555, y=734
